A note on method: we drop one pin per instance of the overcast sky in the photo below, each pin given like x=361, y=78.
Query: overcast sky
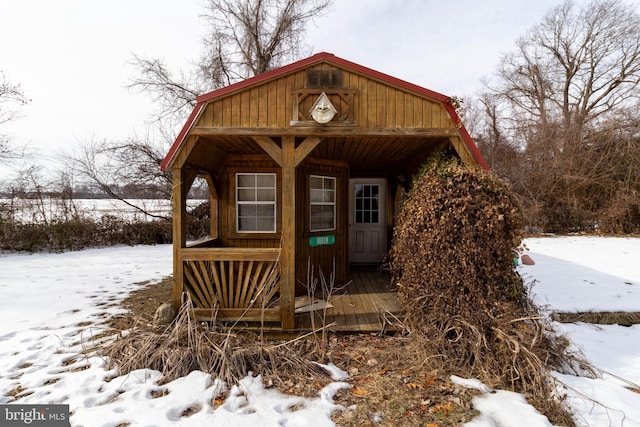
x=70, y=56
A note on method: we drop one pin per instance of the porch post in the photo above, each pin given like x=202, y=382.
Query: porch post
x=213, y=207
x=179, y=230
x=287, y=256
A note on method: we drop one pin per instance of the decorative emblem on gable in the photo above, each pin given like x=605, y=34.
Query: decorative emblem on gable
x=333, y=107
x=323, y=110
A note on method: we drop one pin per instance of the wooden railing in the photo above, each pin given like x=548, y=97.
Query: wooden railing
x=233, y=283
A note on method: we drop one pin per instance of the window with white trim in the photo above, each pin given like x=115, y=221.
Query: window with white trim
x=256, y=202
x=323, y=203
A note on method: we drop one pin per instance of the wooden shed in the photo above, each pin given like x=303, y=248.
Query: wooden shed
x=305, y=166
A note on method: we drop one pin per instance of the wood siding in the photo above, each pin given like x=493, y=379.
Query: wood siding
x=377, y=105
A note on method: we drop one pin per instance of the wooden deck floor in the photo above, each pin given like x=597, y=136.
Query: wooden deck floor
x=367, y=304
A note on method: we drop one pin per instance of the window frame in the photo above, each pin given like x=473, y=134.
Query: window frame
x=273, y=203
x=323, y=203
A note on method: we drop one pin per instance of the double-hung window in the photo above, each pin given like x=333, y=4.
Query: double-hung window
x=323, y=203
x=256, y=202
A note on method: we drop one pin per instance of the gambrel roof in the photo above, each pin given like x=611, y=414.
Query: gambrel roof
x=378, y=105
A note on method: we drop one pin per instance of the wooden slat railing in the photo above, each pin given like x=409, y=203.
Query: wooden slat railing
x=233, y=283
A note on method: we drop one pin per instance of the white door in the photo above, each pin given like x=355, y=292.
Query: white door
x=367, y=220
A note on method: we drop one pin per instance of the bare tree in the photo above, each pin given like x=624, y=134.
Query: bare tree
x=253, y=36
x=11, y=96
x=569, y=78
x=576, y=67
x=246, y=38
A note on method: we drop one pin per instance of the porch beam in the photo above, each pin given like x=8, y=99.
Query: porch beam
x=270, y=147
x=263, y=135
x=306, y=148
x=230, y=254
x=190, y=177
x=287, y=256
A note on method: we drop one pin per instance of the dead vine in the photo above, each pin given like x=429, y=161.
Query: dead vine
x=452, y=259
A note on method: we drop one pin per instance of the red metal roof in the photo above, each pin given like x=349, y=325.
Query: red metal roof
x=310, y=61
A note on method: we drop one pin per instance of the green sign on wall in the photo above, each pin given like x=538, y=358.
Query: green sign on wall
x=322, y=240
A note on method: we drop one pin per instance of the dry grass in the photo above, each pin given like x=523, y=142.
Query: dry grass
x=392, y=387
x=187, y=345
x=513, y=354
x=399, y=378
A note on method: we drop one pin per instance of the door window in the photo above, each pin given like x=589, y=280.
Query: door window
x=367, y=207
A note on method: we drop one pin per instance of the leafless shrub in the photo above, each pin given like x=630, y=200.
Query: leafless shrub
x=57, y=224
x=622, y=216
x=81, y=232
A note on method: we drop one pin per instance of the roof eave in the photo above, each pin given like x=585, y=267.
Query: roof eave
x=193, y=117
x=466, y=137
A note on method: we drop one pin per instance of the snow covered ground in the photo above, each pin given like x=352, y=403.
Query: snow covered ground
x=599, y=274
x=51, y=303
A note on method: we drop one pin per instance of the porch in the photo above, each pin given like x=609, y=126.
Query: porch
x=242, y=286
x=367, y=304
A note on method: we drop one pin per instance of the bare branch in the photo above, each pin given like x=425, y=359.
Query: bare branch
x=174, y=97
x=123, y=170
x=254, y=36
x=11, y=97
